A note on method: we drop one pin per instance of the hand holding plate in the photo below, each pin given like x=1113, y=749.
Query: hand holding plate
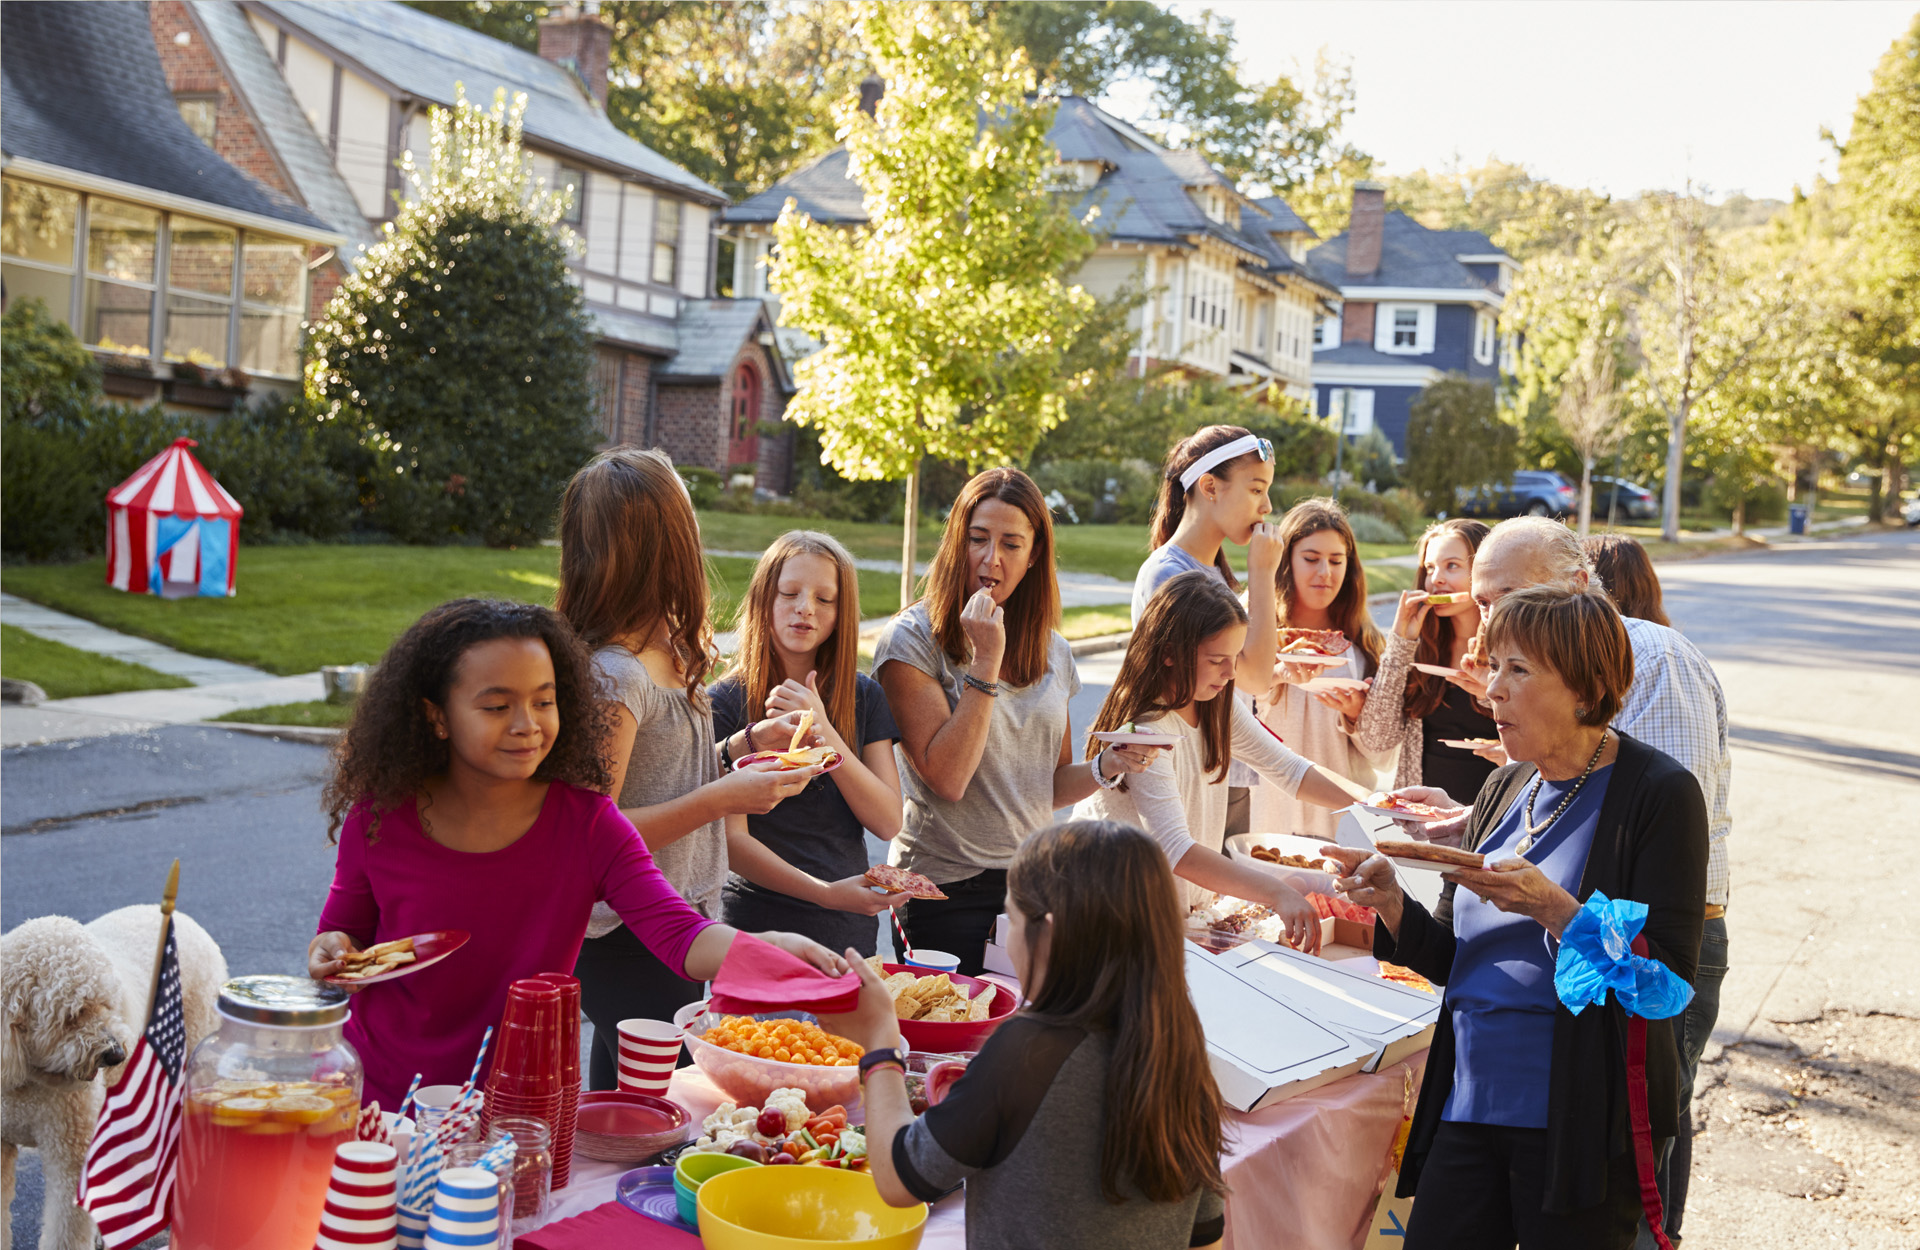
x=323, y=958
x=1517, y=886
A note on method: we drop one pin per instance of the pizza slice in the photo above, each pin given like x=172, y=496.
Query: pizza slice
x=1405, y=976
x=900, y=881
x=1429, y=852
x=1317, y=641
x=1422, y=811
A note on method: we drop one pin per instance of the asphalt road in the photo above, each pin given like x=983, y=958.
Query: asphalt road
x=1818, y=648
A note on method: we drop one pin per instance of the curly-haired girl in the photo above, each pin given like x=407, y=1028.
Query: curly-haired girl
x=465, y=796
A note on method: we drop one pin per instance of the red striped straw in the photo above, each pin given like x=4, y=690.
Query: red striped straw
x=900, y=934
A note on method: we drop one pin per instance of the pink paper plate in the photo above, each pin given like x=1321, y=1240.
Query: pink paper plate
x=428, y=950
x=618, y=1126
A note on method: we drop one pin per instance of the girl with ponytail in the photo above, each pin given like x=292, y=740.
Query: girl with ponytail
x=1090, y=1119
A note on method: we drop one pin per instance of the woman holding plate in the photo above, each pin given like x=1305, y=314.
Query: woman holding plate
x=1413, y=704
x=1529, y=1128
x=978, y=678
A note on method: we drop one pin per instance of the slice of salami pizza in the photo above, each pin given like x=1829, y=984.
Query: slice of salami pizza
x=1325, y=641
x=900, y=881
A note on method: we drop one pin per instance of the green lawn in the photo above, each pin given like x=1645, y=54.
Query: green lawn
x=66, y=672
x=302, y=607
x=315, y=715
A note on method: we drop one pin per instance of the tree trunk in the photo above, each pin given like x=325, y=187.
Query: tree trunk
x=1586, y=494
x=911, y=526
x=1676, y=457
x=1739, y=516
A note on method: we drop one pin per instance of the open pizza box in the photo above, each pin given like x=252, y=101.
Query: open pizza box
x=1391, y=1020
x=1263, y=1046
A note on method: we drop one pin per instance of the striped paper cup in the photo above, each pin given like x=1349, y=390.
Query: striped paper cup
x=359, y=1213
x=412, y=1229
x=466, y=1210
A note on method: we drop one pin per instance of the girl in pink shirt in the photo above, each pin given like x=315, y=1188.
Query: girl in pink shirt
x=467, y=795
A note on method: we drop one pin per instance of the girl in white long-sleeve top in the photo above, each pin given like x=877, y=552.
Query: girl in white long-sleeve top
x=1177, y=679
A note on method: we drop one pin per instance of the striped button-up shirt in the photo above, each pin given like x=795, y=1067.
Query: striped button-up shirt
x=1676, y=706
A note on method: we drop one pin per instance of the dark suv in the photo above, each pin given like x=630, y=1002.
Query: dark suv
x=1532, y=492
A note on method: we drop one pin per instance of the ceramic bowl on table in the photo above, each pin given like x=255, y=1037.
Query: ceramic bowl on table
x=811, y=1208
x=692, y=1171
x=617, y=1126
x=950, y=1036
x=748, y=1079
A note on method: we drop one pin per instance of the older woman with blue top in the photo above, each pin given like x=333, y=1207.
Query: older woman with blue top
x=1547, y=1099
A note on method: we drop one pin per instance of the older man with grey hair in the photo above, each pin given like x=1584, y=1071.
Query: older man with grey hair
x=1676, y=706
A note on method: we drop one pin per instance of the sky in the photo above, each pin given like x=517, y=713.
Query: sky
x=1620, y=96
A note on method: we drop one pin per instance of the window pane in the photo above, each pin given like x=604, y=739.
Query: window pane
x=270, y=341
x=54, y=289
x=663, y=263
x=199, y=116
x=197, y=331
x=117, y=318
x=39, y=223
x=276, y=273
x=120, y=240
x=572, y=181
x=200, y=257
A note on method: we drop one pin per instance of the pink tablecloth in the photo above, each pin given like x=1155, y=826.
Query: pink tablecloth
x=1304, y=1173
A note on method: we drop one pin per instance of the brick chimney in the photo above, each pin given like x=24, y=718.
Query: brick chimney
x=1363, y=230
x=575, y=36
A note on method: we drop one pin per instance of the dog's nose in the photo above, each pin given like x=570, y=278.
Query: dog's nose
x=113, y=1056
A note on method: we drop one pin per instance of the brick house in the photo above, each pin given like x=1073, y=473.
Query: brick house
x=1232, y=297
x=186, y=273
x=317, y=103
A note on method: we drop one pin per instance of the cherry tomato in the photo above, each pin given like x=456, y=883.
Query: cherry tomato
x=772, y=1122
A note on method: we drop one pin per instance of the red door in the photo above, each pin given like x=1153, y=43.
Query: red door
x=743, y=442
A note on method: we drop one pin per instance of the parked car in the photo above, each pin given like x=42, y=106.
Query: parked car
x=1531, y=492
x=1634, y=502
x=1912, y=513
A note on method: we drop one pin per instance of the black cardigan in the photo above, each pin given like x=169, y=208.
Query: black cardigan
x=1651, y=846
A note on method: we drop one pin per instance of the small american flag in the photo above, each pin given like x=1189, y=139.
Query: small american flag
x=127, y=1179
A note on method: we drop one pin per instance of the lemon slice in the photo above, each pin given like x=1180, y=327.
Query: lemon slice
x=301, y=1108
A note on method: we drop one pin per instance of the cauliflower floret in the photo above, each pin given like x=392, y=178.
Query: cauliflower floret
x=791, y=1103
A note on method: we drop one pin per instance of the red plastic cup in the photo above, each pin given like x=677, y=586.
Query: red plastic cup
x=527, y=1046
x=564, y=1125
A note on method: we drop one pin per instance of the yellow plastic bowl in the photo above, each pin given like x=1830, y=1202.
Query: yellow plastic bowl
x=803, y=1208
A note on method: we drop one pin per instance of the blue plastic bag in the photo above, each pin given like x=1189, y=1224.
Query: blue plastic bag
x=1596, y=955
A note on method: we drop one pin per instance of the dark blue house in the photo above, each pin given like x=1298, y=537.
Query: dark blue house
x=1414, y=304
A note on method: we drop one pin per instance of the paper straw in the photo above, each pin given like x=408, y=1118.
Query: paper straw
x=480, y=1058
x=900, y=933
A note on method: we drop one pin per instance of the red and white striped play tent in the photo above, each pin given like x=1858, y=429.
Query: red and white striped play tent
x=171, y=527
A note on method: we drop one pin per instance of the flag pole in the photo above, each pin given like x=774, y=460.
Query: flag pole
x=166, y=922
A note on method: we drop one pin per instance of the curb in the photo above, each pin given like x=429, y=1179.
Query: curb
x=312, y=735
x=1102, y=643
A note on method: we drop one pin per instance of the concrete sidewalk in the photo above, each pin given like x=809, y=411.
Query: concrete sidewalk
x=1077, y=590
x=44, y=622
x=95, y=716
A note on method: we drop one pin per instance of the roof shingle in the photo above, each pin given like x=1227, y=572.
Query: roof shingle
x=1410, y=256
x=81, y=88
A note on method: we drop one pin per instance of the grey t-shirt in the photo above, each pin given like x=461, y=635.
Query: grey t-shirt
x=673, y=754
x=1166, y=561
x=1011, y=794
x=1024, y=1128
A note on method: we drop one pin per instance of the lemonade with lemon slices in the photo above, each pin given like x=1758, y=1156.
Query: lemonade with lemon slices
x=254, y=1162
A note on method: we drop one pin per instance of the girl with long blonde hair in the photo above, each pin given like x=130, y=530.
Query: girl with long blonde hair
x=1320, y=585
x=802, y=866
x=633, y=584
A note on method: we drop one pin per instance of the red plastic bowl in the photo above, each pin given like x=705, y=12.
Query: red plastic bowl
x=950, y=1036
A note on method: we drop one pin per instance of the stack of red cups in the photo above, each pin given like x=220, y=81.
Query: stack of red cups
x=563, y=1128
x=526, y=1055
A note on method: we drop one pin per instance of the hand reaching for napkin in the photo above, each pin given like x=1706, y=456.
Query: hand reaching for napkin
x=758, y=976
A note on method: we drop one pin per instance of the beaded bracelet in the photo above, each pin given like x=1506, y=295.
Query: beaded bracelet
x=989, y=688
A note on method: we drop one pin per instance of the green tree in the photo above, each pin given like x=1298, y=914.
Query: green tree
x=945, y=318
x=1879, y=195
x=1456, y=442
x=459, y=352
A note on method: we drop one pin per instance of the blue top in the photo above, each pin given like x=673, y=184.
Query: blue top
x=1501, y=988
x=1164, y=563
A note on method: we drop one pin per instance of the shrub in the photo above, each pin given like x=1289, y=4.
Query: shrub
x=460, y=351
x=46, y=368
x=1100, y=491
x=1456, y=441
x=1369, y=528
x=1371, y=461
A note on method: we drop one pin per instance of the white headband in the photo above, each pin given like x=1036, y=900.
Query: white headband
x=1219, y=455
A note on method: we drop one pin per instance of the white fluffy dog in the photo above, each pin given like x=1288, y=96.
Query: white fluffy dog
x=76, y=1001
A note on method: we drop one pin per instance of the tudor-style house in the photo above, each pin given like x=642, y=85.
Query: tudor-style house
x=1234, y=299
x=1415, y=304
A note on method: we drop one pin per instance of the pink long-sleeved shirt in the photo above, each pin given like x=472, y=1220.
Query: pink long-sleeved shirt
x=526, y=906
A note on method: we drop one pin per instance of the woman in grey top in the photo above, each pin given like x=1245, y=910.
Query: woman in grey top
x=633, y=585
x=978, y=678
x=1090, y=1120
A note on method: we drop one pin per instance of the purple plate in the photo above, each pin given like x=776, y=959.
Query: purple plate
x=649, y=1191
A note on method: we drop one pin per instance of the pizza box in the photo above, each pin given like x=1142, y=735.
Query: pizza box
x=1391, y=1021
x=1262, y=1047
x=996, y=958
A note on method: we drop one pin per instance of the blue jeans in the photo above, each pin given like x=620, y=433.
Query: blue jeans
x=1694, y=1027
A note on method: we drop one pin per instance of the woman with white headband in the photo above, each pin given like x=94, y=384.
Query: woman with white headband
x=1214, y=491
